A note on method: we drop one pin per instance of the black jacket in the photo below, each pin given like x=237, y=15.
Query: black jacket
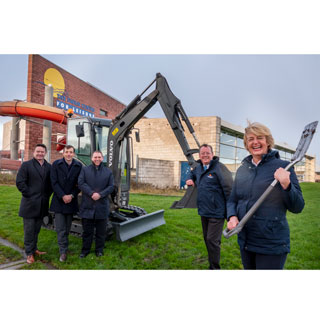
x=65, y=182
x=214, y=187
x=34, y=184
x=93, y=179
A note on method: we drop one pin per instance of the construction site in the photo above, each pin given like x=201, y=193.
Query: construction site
x=50, y=85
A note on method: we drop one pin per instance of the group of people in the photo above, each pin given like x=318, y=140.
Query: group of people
x=65, y=178
x=264, y=241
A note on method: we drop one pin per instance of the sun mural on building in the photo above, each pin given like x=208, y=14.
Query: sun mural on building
x=53, y=77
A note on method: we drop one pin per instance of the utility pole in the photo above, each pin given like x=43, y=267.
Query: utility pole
x=14, y=139
x=47, y=124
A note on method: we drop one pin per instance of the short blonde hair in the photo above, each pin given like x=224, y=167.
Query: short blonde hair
x=258, y=129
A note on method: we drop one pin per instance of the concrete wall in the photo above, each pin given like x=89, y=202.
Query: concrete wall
x=310, y=174
x=159, y=173
x=7, y=135
x=159, y=142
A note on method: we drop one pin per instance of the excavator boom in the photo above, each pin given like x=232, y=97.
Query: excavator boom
x=175, y=114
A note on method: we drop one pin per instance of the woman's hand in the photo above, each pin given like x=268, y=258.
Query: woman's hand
x=283, y=177
x=232, y=223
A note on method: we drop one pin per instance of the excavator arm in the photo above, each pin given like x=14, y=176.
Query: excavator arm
x=125, y=121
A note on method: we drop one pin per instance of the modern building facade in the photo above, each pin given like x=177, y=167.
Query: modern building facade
x=159, y=143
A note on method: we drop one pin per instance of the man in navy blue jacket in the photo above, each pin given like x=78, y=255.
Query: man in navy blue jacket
x=96, y=183
x=214, y=183
x=64, y=180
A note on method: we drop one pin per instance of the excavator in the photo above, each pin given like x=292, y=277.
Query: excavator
x=113, y=139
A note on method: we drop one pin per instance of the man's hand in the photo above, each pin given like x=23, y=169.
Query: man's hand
x=67, y=198
x=283, y=177
x=190, y=182
x=95, y=196
x=232, y=223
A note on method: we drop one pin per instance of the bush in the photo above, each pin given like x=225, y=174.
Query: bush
x=8, y=178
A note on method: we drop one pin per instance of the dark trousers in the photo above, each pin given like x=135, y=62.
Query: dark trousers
x=257, y=261
x=88, y=232
x=212, y=231
x=63, y=225
x=31, y=228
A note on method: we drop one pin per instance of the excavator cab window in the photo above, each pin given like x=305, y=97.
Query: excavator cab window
x=123, y=162
x=81, y=143
x=137, y=134
x=102, y=133
x=79, y=130
x=124, y=171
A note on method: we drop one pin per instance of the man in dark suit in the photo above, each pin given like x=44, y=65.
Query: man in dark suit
x=33, y=181
x=96, y=183
x=64, y=181
x=214, y=184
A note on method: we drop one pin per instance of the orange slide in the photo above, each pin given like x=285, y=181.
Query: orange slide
x=29, y=109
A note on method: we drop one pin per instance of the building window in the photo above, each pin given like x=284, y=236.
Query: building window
x=299, y=167
x=226, y=138
x=232, y=150
x=103, y=113
x=300, y=177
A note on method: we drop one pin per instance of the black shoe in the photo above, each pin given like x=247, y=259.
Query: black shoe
x=83, y=255
x=99, y=254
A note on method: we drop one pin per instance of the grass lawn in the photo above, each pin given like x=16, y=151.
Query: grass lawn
x=177, y=245
x=8, y=255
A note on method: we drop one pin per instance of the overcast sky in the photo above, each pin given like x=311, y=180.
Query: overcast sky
x=280, y=91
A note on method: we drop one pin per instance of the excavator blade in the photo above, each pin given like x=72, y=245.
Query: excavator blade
x=135, y=226
x=189, y=200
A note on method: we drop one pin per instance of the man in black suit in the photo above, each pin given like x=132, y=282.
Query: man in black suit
x=33, y=181
x=64, y=181
x=96, y=183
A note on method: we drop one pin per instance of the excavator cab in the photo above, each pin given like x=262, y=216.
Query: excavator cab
x=90, y=134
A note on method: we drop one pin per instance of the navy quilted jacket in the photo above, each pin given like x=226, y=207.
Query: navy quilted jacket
x=267, y=232
x=214, y=187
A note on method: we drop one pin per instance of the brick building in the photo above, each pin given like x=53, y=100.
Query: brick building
x=68, y=92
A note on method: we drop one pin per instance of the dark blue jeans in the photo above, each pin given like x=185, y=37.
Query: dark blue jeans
x=257, y=261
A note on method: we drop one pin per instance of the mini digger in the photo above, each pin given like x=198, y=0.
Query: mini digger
x=113, y=139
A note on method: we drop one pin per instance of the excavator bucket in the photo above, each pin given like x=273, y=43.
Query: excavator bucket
x=189, y=200
x=133, y=227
